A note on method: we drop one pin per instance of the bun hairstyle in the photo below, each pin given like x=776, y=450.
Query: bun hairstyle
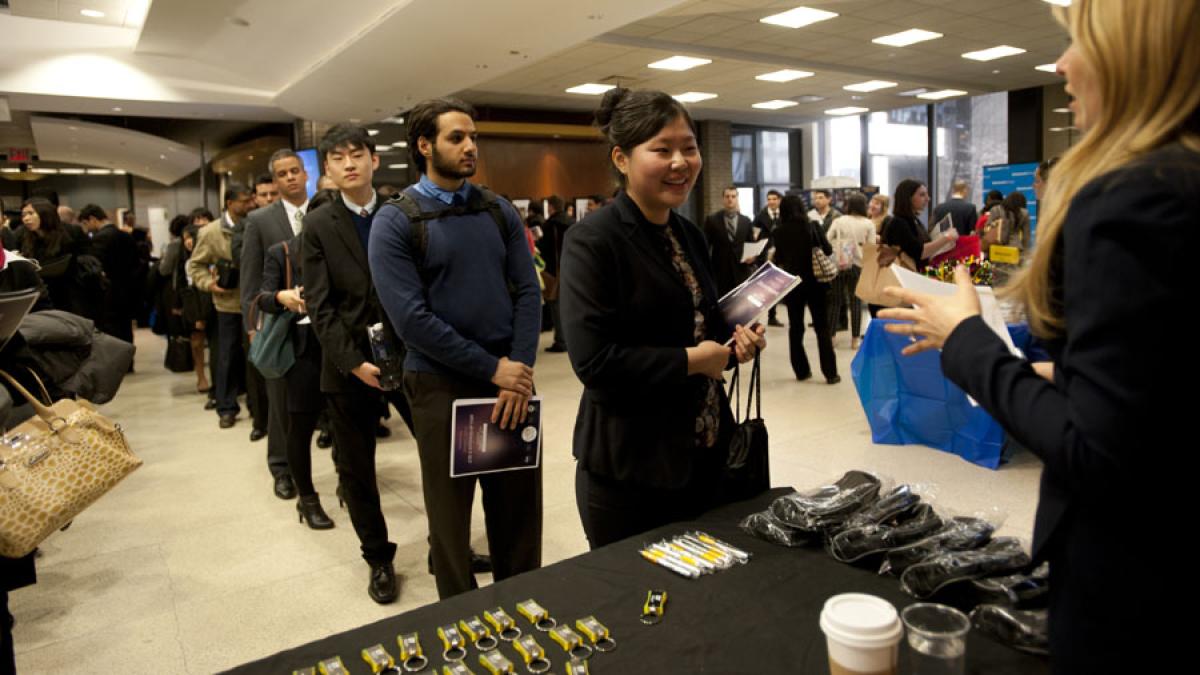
x=629, y=118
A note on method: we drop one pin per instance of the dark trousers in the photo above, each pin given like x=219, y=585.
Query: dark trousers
x=555, y=317
x=612, y=510
x=354, y=414
x=8, y=664
x=512, y=500
x=843, y=300
x=256, y=391
x=277, y=426
x=299, y=450
x=213, y=337
x=231, y=362
x=814, y=296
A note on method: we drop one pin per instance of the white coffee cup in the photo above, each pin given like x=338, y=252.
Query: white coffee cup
x=862, y=633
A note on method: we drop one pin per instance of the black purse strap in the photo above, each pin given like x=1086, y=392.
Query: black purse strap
x=755, y=388
x=735, y=394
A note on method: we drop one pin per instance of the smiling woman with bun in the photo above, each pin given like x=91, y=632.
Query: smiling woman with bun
x=644, y=334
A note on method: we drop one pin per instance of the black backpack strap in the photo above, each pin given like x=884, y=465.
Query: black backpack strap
x=417, y=220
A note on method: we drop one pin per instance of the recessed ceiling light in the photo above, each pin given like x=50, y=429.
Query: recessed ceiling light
x=372, y=132
x=1061, y=110
x=92, y=13
x=71, y=172
x=1060, y=3
x=1062, y=128
x=679, y=63
x=939, y=95
x=1047, y=68
x=397, y=166
x=99, y=172
x=73, y=129
x=850, y=110
x=693, y=96
x=121, y=172
x=162, y=156
x=9, y=169
x=777, y=104
x=590, y=89
x=913, y=92
x=393, y=120
x=400, y=144
x=870, y=85
x=906, y=38
x=116, y=108
x=993, y=53
x=785, y=75
x=46, y=171
x=383, y=147
x=798, y=17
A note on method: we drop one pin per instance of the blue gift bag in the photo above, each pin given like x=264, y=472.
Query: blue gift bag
x=907, y=400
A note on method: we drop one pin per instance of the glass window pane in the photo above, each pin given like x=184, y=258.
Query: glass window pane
x=746, y=201
x=898, y=143
x=972, y=133
x=842, y=147
x=743, y=158
x=775, y=162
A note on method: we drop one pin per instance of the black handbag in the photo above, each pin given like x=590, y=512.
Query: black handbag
x=747, y=465
x=179, y=354
x=227, y=274
x=197, y=306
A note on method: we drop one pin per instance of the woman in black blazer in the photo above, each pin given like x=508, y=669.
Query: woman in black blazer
x=906, y=231
x=304, y=398
x=795, y=239
x=1108, y=416
x=644, y=334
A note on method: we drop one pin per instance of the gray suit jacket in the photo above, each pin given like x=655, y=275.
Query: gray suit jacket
x=263, y=227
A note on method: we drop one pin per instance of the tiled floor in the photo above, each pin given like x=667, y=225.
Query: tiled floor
x=192, y=565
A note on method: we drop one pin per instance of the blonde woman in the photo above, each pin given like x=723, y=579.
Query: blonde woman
x=847, y=235
x=1112, y=264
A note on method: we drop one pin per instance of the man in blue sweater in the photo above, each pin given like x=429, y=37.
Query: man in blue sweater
x=464, y=299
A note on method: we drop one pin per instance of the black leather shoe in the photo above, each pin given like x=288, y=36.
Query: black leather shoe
x=310, y=511
x=227, y=421
x=257, y=434
x=775, y=322
x=383, y=587
x=382, y=431
x=556, y=349
x=210, y=404
x=324, y=440
x=833, y=380
x=480, y=564
x=284, y=487
x=804, y=377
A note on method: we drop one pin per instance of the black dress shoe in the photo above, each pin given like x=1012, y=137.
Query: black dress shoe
x=324, y=440
x=383, y=587
x=804, y=377
x=833, y=380
x=227, y=421
x=556, y=349
x=775, y=322
x=257, y=434
x=382, y=431
x=210, y=404
x=480, y=564
x=284, y=487
x=309, y=508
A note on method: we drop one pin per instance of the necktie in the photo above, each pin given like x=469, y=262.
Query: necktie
x=364, y=213
x=731, y=225
x=297, y=221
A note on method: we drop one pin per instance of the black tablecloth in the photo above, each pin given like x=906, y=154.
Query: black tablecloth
x=761, y=617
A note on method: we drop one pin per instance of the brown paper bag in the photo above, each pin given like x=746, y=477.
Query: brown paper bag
x=877, y=274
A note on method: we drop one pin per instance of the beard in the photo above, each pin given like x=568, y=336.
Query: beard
x=448, y=167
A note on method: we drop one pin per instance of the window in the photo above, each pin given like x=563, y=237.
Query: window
x=762, y=161
x=898, y=145
x=840, y=147
x=972, y=133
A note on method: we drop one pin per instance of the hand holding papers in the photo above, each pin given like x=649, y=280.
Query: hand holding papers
x=940, y=231
x=751, y=250
x=478, y=446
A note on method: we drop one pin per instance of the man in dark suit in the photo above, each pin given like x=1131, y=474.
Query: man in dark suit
x=727, y=232
x=962, y=212
x=118, y=256
x=550, y=247
x=265, y=227
x=764, y=227
x=341, y=300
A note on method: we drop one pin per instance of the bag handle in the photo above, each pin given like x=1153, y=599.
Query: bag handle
x=287, y=264
x=42, y=410
x=755, y=388
x=735, y=394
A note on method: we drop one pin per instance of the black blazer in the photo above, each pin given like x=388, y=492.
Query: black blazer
x=794, y=242
x=628, y=317
x=1113, y=428
x=262, y=228
x=118, y=254
x=725, y=256
x=338, y=292
x=274, y=279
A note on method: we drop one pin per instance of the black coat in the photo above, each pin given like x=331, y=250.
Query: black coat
x=962, y=212
x=628, y=318
x=118, y=254
x=794, y=242
x=261, y=229
x=338, y=292
x=725, y=256
x=1112, y=429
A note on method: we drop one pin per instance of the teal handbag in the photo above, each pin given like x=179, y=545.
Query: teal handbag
x=271, y=350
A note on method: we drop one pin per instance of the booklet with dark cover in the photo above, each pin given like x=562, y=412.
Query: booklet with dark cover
x=478, y=446
x=747, y=303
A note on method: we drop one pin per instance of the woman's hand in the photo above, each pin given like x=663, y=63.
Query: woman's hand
x=708, y=358
x=932, y=317
x=748, y=342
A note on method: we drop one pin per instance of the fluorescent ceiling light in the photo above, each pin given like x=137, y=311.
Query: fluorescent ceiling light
x=99, y=172
x=798, y=17
x=397, y=166
x=774, y=105
x=40, y=170
x=913, y=92
x=1062, y=128
x=393, y=120
x=871, y=85
x=72, y=172
x=92, y=13
x=679, y=63
x=993, y=53
x=400, y=144
x=851, y=110
x=809, y=98
x=9, y=169
x=1061, y=110
x=785, y=75
x=1047, y=68
x=939, y=95
x=906, y=38
x=121, y=172
x=1060, y=3
x=693, y=96
x=591, y=89
x=372, y=132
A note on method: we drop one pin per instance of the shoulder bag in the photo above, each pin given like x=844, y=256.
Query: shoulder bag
x=747, y=466
x=271, y=350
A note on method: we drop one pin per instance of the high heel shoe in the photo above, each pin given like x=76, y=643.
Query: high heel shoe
x=309, y=509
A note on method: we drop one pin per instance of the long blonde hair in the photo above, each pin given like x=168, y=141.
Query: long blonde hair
x=1145, y=56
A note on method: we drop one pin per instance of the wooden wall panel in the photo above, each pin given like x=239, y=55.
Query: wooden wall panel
x=527, y=168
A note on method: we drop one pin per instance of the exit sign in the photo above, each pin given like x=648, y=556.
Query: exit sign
x=18, y=154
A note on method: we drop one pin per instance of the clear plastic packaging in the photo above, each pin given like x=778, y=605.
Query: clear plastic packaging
x=1001, y=555
x=961, y=533
x=1024, y=630
x=898, y=501
x=827, y=507
x=767, y=527
x=913, y=524
x=1015, y=590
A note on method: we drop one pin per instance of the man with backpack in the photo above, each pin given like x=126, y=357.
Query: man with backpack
x=454, y=274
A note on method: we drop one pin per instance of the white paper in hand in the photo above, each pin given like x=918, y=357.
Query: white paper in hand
x=753, y=249
x=991, y=313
